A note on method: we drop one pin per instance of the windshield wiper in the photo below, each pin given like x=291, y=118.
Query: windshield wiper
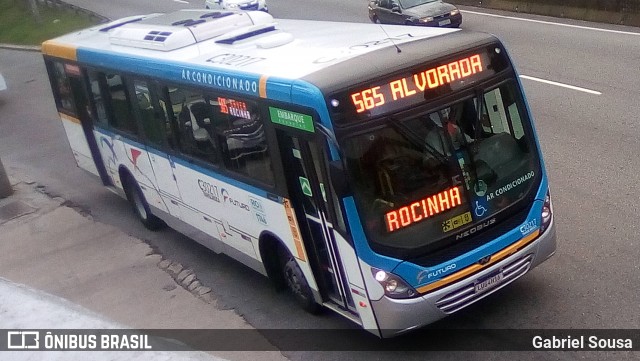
x=416, y=140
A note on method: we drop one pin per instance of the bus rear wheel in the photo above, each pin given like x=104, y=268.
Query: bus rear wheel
x=140, y=205
x=297, y=284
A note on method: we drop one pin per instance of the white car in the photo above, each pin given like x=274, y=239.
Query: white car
x=236, y=4
x=3, y=84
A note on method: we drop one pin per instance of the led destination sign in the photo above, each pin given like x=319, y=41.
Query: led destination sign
x=423, y=209
x=419, y=84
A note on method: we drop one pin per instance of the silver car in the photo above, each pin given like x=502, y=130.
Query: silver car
x=237, y=4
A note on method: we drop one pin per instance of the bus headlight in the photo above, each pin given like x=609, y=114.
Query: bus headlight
x=547, y=213
x=394, y=286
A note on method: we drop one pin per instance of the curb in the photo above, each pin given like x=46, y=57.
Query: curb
x=187, y=279
x=37, y=48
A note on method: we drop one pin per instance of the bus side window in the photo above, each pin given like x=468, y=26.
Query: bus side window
x=61, y=88
x=503, y=112
x=239, y=127
x=174, y=100
x=95, y=81
x=196, y=139
x=120, y=100
x=169, y=124
x=154, y=129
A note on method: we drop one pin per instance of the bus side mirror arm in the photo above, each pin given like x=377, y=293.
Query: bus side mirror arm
x=339, y=179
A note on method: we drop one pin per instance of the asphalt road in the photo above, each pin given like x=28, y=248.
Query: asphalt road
x=587, y=124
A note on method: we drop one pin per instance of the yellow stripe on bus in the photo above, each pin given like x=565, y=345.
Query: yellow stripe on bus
x=54, y=48
x=495, y=258
x=295, y=230
x=69, y=118
x=262, y=86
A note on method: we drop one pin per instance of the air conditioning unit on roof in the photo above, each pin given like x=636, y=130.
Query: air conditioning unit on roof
x=183, y=28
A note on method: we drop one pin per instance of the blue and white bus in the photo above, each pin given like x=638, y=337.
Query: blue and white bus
x=391, y=174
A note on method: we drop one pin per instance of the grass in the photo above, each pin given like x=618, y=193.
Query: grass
x=18, y=26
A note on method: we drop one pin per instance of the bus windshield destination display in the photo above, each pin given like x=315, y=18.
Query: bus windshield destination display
x=410, y=86
x=418, y=85
x=423, y=209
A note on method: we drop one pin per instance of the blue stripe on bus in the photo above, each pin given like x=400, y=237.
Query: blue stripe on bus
x=246, y=187
x=363, y=251
x=532, y=124
x=175, y=71
x=300, y=93
x=278, y=89
x=309, y=95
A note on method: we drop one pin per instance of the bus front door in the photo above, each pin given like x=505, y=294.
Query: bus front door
x=303, y=161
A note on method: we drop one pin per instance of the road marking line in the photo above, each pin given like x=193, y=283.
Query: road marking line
x=561, y=85
x=552, y=23
x=181, y=1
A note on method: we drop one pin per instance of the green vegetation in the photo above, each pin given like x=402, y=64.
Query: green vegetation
x=19, y=26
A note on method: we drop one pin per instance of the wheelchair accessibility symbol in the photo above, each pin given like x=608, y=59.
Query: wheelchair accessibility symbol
x=480, y=210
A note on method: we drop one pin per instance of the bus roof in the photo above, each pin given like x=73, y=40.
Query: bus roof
x=326, y=54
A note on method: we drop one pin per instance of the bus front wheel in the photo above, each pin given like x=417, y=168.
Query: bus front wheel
x=297, y=285
x=140, y=205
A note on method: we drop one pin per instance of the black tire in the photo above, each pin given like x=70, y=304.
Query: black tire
x=140, y=206
x=297, y=284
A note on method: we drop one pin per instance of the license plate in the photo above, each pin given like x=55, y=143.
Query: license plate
x=445, y=22
x=489, y=283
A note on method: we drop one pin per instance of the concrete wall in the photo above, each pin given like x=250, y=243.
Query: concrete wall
x=624, y=12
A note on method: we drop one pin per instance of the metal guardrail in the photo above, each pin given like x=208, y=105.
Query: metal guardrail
x=623, y=12
x=618, y=6
x=78, y=10
x=615, y=6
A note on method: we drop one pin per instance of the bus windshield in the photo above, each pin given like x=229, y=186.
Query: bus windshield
x=422, y=179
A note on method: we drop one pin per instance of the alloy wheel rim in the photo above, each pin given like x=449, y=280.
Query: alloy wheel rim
x=137, y=200
x=294, y=283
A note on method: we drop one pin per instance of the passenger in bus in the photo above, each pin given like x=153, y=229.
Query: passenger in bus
x=447, y=126
x=195, y=141
x=202, y=114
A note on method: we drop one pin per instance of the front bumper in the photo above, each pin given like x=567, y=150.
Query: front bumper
x=396, y=316
x=446, y=22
